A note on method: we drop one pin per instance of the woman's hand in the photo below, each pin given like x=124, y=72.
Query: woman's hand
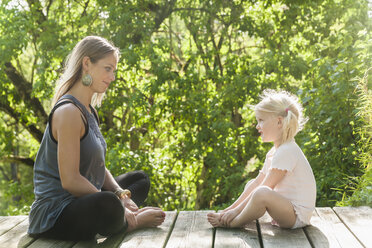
x=128, y=203
x=228, y=216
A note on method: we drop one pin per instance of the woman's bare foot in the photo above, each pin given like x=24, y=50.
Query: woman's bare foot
x=214, y=219
x=145, y=209
x=148, y=218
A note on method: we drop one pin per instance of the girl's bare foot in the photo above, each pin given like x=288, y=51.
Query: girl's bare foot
x=214, y=219
x=148, y=218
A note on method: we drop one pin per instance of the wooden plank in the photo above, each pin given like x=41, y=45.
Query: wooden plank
x=10, y=222
x=2, y=218
x=273, y=236
x=51, y=243
x=192, y=229
x=359, y=221
x=25, y=240
x=17, y=236
x=151, y=237
x=145, y=237
x=246, y=237
x=102, y=242
x=327, y=230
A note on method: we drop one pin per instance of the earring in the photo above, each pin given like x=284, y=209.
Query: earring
x=87, y=80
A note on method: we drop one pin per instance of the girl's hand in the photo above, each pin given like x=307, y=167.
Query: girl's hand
x=228, y=216
x=128, y=203
x=226, y=209
x=131, y=218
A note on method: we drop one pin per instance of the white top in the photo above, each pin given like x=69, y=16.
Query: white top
x=298, y=185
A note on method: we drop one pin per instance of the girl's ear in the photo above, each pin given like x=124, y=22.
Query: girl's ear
x=280, y=121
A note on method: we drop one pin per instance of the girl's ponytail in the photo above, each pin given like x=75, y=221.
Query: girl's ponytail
x=290, y=125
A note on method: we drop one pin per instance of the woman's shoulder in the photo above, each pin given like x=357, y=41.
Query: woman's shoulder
x=68, y=110
x=67, y=116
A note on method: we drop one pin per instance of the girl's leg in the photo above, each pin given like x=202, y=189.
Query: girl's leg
x=88, y=215
x=137, y=182
x=265, y=199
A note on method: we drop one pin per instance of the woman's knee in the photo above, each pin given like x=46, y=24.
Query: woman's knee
x=110, y=204
x=112, y=214
x=144, y=176
x=144, y=179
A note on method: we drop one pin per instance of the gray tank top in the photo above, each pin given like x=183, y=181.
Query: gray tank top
x=50, y=197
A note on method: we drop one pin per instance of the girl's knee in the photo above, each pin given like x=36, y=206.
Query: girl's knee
x=261, y=193
x=248, y=183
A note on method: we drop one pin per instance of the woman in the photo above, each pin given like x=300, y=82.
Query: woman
x=76, y=197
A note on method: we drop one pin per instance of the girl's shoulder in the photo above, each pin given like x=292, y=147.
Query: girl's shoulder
x=289, y=147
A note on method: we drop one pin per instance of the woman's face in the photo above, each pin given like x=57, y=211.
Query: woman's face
x=103, y=72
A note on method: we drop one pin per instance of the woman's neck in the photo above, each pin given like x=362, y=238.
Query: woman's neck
x=82, y=93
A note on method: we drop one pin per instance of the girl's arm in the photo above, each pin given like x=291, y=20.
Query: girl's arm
x=249, y=187
x=271, y=180
x=68, y=128
x=273, y=177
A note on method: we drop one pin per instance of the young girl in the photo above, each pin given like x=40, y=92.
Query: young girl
x=285, y=187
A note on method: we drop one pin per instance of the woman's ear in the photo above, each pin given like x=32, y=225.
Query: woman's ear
x=86, y=63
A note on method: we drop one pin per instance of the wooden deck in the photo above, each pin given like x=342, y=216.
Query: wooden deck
x=347, y=227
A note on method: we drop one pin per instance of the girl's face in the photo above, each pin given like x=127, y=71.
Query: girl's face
x=103, y=72
x=270, y=127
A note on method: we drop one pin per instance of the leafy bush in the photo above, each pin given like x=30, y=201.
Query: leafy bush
x=361, y=187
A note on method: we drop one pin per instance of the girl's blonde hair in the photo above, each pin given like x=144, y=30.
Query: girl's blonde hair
x=95, y=48
x=282, y=103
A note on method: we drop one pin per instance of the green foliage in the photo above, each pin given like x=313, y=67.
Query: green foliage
x=16, y=197
x=361, y=188
x=188, y=70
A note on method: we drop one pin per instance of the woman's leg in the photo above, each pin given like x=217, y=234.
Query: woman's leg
x=265, y=199
x=137, y=182
x=88, y=215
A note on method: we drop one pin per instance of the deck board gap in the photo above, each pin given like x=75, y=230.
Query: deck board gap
x=258, y=227
x=213, y=236
x=348, y=228
x=308, y=238
x=171, y=230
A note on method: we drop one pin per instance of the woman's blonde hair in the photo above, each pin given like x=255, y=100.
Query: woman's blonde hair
x=95, y=48
x=282, y=103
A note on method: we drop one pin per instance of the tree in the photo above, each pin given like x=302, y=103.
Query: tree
x=188, y=70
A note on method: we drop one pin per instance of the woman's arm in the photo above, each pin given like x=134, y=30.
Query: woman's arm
x=110, y=183
x=67, y=129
